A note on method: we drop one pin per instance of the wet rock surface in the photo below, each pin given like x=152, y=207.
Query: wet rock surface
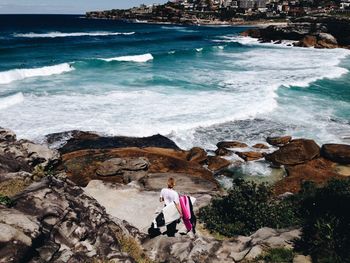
x=296, y=152
x=339, y=153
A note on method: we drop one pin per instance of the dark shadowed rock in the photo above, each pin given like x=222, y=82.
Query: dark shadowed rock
x=216, y=163
x=339, y=153
x=84, y=141
x=250, y=156
x=296, y=152
x=231, y=144
x=278, y=141
x=198, y=155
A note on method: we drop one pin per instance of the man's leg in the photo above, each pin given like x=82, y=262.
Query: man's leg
x=171, y=229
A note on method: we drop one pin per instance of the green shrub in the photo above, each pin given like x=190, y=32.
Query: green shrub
x=246, y=208
x=277, y=255
x=6, y=201
x=326, y=222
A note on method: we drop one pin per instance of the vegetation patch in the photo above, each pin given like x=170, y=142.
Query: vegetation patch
x=246, y=208
x=12, y=187
x=6, y=201
x=133, y=248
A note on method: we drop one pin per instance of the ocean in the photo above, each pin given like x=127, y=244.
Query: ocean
x=194, y=84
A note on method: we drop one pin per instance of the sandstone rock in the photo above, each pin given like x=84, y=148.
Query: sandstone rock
x=296, y=152
x=231, y=144
x=117, y=166
x=326, y=40
x=70, y=225
x=250, y=156
x=184, y=183
x=254, y=253
x=339, y=153
x=302, y=259
x=318, y=171
x=260, y=146
x=198, y=155
x=39, y=154
x=216, y=164
x=278, y=141
x=307, y=41
x=161, y=160
x=7, y=135
x=223, y=152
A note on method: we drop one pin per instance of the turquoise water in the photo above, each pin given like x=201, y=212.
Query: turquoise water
x=197, y=85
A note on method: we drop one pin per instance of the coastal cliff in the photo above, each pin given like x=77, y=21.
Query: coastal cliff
x=309, y=31
x=92, y=198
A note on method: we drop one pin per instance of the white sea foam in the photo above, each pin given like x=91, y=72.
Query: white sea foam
x=19, y=74
x=12, y=100
x=199, y=49
x=136, y=58
x=180, y=29
x=238, y=85
x=71, y=34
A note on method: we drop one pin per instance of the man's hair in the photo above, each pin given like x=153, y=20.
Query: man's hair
x=171, y=182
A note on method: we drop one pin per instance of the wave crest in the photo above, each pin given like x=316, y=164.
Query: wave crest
x=136, y=58
x=72, y=34
x=19, y=74
x=11, y=100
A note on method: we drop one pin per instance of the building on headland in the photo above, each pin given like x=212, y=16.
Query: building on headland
x=210, y=11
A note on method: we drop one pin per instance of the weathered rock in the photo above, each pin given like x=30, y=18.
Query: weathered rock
x=161, y=160
x=339, y=153
x=278, y=141
x=260, y=146
x=184, y=183
x=231, y=144
x=296, y=152
x=207, y=249
x=7, y=135
x=216, y=164
x=325, y=40
x=319, y=171
x=54, y=221
x=40, y=154
x=307, y=41
x=198, y=155
x=85, y=141
x=250, y=156
x=302, y=259
x=223, y=152
x=117, y=166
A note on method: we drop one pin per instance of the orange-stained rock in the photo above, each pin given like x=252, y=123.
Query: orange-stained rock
x=231, y=144
x=260, y=146
x=278, y=141
x=216, y=163
x=339, y=153
x=319, y=171
x=223, y=152
x=250, y=156
x=296, y=152
x=81, y=165
x=198, y=155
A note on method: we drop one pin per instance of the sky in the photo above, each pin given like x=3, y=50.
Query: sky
x=66, y=6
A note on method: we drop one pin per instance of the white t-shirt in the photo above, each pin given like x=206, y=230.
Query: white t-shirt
x=169, y=195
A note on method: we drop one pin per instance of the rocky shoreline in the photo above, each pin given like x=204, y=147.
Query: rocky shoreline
x=91, y=198
x=310, y=31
